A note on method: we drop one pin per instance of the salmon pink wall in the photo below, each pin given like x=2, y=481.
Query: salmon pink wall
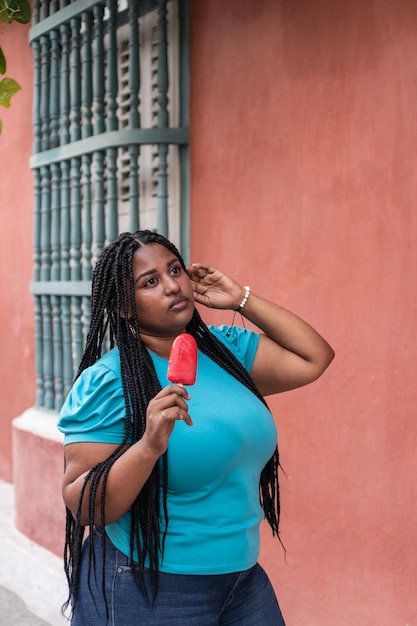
x=38, y=466
x=304, y=186
x=16, y=205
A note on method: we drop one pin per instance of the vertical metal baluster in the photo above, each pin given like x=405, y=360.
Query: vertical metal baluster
x=44, y=101
x=45, y=322
x=44, y=9
x=39, y=353
x=64, y=97
x=55, y=140
x=112, y=122
x=36, y=96
x=48, y=363
x=87, y=131
x=45, y=274
x=55, y=276
x=75, y=188
x=99, y=127
x=55, y=217
x=67, y=358
x=99, y=74
x=163, y=118
x=54, y=91
x=41, y=10
x=86, y=75
x=111, y=95
x=37, y=298
x=35, y=12
x=45, y=326
x=134, y=118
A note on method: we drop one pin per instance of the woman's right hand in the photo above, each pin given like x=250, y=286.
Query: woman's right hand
x=132, y=469
x=167, y=407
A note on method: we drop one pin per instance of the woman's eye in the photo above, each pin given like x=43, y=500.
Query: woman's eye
x=176, y=269
x=150, y=282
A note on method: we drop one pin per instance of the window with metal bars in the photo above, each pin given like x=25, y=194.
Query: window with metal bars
x=148, y=108
x=110, y=154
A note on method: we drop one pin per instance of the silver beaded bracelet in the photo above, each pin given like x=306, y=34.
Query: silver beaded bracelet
x=245, y=298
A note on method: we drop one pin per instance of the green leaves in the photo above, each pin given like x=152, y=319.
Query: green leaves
x=8, y=87
x=2, y=62
x=15, y=11
x=11, y=11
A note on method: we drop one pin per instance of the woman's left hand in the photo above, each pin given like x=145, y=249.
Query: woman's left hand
x=213, y=288
x=290, y=352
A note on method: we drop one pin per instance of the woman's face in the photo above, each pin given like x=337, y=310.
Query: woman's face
x=163, y=294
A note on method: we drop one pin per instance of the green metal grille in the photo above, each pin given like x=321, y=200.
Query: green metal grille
x=90, y=139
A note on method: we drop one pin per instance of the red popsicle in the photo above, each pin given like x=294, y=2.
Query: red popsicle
x=182, y=364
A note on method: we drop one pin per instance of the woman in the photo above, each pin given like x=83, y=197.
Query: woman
x=174, y=482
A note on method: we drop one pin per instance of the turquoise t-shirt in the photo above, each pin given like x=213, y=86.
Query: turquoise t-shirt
x=214, y=466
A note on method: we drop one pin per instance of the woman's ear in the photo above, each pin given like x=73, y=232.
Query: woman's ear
x=121, y=311
x=131, y=327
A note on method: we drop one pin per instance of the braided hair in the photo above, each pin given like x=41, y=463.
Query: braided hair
x=112, y=316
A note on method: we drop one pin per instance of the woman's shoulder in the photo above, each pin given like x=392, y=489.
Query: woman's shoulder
x=107, y=367
x=110, y=361
x=95, y=401
x=242, y=342
x=97, y=381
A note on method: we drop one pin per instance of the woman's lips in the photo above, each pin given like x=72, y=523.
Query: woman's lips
x=179, y=304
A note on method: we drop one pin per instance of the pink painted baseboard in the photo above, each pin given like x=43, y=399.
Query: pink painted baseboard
x=37, y=475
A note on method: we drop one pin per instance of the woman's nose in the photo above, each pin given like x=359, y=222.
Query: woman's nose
x=171, y=285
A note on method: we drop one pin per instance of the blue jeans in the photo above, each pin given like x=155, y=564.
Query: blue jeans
x=245, y=598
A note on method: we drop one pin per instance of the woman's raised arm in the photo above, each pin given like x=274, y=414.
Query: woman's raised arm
x=290, y=352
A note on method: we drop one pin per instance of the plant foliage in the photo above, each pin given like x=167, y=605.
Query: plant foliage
x=11, y=11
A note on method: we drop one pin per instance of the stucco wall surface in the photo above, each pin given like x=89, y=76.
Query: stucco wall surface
x=304, y=186
x=16, y=205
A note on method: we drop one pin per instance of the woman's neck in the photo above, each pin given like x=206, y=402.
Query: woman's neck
x=159, y=345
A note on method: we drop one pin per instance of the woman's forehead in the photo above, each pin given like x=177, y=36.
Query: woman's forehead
x=152, y=256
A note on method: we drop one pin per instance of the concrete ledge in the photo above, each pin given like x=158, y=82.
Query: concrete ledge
x=38, y=467
x=30, y=571
x=40, y=422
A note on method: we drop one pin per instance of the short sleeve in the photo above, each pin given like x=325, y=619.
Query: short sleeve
x=242, y=342
x=95, y=410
